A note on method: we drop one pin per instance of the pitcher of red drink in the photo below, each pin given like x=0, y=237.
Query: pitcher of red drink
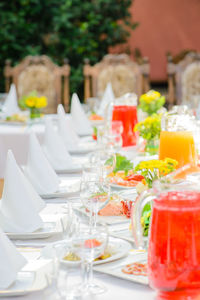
x=174, y=235
x=125, y=110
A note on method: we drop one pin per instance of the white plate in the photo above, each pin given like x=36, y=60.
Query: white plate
x=115, y=268
x=73, y=169
x=123, y=234
x=109, y=220
x=12, y=123
x=22, y=285
x=50, y=228
x=84, y=148
x=32, y=278
x=97, y=122
x=120, y=248
x=66, y=189
x=117, y=186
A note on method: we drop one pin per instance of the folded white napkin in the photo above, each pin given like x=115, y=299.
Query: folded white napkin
x=10, y=105
x=11, y=261
x=66, y=129
x=20, y=204
x=107, y=98
x=55, y=149
x=81, y=123
x=38, y=169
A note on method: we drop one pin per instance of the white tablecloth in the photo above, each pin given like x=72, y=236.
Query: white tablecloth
x=116, y=288
x=16, y=138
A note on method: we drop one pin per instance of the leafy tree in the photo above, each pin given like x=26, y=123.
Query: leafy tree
x=73, y=29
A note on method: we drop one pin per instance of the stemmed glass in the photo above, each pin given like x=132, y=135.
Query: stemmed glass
x=94, y=195
x=88, y=245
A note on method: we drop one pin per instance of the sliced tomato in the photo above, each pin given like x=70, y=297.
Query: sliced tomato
x=94, y=137
x=92, y=243
x=135, y=177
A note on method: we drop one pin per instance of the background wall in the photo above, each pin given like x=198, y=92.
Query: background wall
x=165, y=25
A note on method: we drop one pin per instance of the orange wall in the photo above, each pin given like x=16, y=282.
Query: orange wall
x=165, y=25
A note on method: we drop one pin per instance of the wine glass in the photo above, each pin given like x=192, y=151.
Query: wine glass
x=89, y=245
x=94, y=195
x=55, y=251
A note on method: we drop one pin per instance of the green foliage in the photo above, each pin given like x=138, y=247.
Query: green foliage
x=72, y=29
x=146, y=218
x=121, y=163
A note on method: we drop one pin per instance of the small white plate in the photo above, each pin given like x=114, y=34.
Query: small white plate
x=115, y=268
x=66, y=189
x=118, y=247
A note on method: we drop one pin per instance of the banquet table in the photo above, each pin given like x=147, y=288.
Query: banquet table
x=116, y=288
x=16, y=138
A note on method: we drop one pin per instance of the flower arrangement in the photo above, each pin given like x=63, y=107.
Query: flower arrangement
x=34, y=103
x=154, y=169
x=151, y=102
x=149, y=130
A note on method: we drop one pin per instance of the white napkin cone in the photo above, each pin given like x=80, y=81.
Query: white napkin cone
x=55, y=149
x=66, y=130
x=10, y=105
x=11, y=261
x=107, y=98
x=81, y=123
x=38, y=169
x=20, y=204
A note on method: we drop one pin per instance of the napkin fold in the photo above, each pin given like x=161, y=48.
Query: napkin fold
x=10, y=105
x=11, y=261
x=38, y=170
x=107, y=98
x=66, y=129
x=55, y=149
x=20, y=204
x=81, y=123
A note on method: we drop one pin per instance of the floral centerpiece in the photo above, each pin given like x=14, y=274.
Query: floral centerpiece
x=151, y=102
x=149, y=130
x=152, y=170
x=34, y=103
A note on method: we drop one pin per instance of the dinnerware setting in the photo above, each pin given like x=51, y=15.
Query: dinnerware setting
x=124, y=205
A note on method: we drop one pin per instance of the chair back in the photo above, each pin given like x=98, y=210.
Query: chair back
x=41, y=74
x=125, y=76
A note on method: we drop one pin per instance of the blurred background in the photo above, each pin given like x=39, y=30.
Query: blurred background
x=76, y=30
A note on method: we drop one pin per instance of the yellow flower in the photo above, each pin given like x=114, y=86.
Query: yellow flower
x=150, y=96
x=31, y=101
x=41, y=102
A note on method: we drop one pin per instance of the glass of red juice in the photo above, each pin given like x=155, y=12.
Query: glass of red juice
x=174, y=239
x=127, y=114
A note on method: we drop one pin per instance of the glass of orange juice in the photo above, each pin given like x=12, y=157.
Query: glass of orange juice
x=176, y=139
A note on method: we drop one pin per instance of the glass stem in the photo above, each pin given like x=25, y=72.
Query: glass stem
x=85, y=274
x=95, y=212
x=91, y=218
x=90, y=267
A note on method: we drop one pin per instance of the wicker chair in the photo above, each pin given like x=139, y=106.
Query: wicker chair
x=41, y=74
x=125, y=76
x=183, y=78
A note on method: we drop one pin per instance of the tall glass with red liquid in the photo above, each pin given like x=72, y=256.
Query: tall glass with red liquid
x=125, y=110
x=174, y=237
